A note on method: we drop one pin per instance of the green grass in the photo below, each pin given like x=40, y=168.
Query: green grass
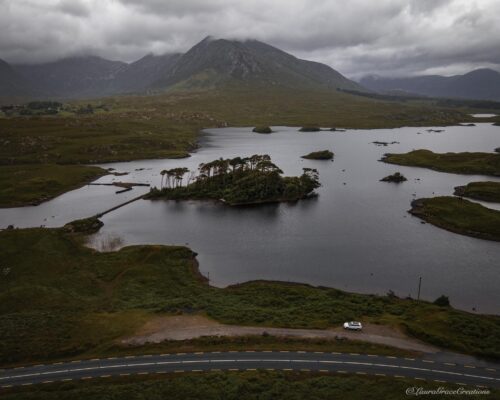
x=485, y=191
x=234, y=385
x=457, y=163
x=59, y=299
x=459, y=216
x=22, y=185
x=118, y=136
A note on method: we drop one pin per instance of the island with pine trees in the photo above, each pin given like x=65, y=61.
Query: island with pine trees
x=236, y=181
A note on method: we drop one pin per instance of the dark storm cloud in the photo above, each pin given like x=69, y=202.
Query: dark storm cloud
x=356, y=37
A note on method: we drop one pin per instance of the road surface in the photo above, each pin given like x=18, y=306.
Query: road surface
x=339, y=363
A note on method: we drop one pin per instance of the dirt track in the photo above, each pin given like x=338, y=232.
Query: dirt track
x=192, y=327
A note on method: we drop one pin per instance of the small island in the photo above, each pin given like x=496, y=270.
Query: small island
x=457, y=163
x=459, y=216
x=262, y=129
x=237, y=181
x=311, y=128
x=397, y=177
x=319, y=155
x=484, y=191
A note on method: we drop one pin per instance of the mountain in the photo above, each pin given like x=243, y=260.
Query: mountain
x=72, y=77
x=483, y=84
x=216, y=62
x=210, y=63
x=11, y=83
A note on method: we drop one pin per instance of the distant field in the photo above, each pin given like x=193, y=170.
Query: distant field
x=59, y=299
x=139, y=127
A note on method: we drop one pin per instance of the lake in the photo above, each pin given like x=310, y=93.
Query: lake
x=356, y=235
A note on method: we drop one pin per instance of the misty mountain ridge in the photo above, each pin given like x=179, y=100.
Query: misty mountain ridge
x=481, y=84
x=210, y=63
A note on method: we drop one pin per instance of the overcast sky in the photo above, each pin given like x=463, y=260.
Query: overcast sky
x=356, y=37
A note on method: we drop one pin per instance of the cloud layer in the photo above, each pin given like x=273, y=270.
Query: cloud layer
x=356, y=37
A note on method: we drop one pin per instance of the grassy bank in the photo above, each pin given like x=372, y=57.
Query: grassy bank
x=257, y=343
x=22, y=185
x=59, y=299
x=457, y=163
x=234, y=385
x=459, y=216
x=485, y=191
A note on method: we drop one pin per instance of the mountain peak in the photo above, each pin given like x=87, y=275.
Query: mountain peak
x=218, y=61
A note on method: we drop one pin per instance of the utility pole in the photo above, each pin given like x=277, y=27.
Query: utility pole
x=419, y=286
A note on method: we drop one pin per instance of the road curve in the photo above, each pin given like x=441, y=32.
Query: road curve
x=339, y=363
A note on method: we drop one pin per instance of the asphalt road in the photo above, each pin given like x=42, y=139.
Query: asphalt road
x=339, y=363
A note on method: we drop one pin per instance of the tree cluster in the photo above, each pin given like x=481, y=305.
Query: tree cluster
x=254, y=179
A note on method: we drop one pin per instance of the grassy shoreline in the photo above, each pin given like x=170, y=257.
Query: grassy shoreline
x=483, y=191
x=59, y=299
x=28, y=185
x=459, y=216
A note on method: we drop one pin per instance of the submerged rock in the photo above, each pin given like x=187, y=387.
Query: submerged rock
x=310, y=129
x=319, y=155
x=262, y=129
x=86, y=225
x=396, y=178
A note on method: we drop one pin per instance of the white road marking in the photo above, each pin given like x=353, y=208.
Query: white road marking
x=208, y=361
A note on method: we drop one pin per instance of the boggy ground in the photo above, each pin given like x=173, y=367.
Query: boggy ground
x=59, y=299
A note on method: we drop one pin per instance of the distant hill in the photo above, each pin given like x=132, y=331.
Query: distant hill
x=479, y=84
x=210, y=63
x=11, y=83
x=71, y=77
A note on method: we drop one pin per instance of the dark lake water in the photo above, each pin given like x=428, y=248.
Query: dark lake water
x=355, y=236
